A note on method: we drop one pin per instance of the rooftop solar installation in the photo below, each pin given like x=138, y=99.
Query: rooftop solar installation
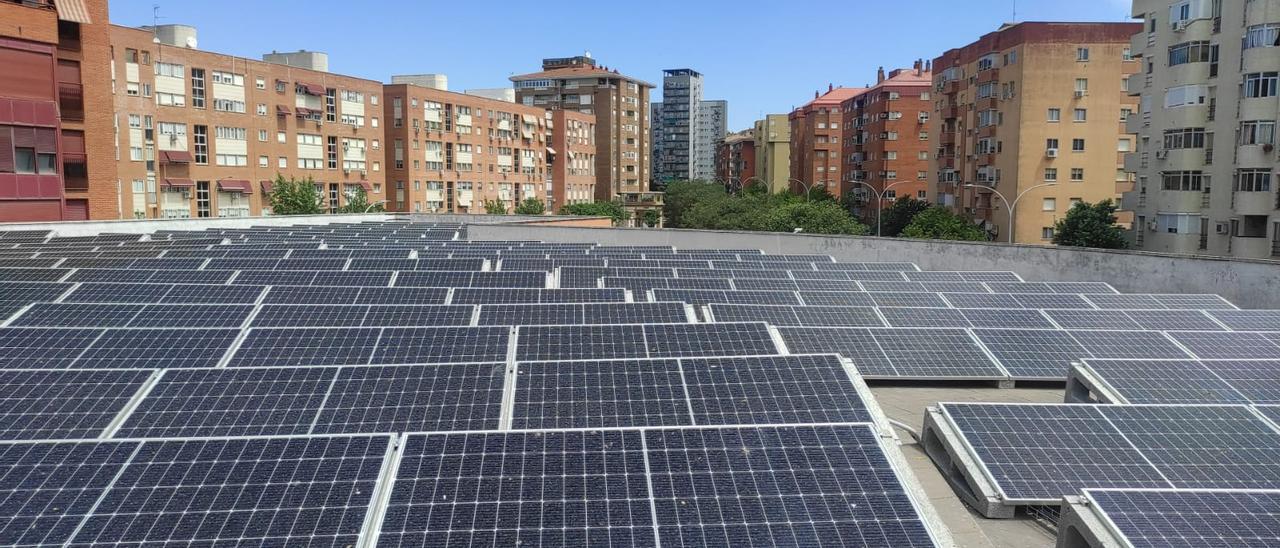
x=1167, y=518
x=64, y=404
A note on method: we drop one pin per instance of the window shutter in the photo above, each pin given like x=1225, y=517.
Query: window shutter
x=46, y=140
x=6, y=149
x=24, y=137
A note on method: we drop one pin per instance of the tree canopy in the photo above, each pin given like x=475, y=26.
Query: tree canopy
x=358, y=202
x=495, y=207
x=295, y=197
x=1090, y=225
x=937, y=223
x=699, y=205
x=613, y=210
x=531, y=206
x=898, y=215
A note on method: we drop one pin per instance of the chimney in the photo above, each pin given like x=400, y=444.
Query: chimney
x=928, y=66
x=918, y=66
x=830, y=87
x=815, y=94
x=880, y=75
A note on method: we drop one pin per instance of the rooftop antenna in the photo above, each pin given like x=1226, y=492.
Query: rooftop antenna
x=1015, y=11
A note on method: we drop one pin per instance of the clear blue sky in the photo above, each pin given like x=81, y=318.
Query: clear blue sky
x=480, y=44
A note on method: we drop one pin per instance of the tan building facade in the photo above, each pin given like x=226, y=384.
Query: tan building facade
x=1208, y=172
x=886, y=138
x=1032, y=112
x=620, y=105
x=451, y=152
x=203, y=134
x=773, y=151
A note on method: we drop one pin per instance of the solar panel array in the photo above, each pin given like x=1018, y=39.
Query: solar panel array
x=395, y=384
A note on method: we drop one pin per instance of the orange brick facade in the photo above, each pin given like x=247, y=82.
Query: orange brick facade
x=816, y=140
x=202, y=134
x=573, y=169
x=736, y=159
x=886, y=138
x=450, y=152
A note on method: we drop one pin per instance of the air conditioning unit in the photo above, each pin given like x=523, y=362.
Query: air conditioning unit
x=1151, y=226
x=1179, y=26
x=1162, y=154
x=1080, y=93
x=1051, y=153
x=1221, y=228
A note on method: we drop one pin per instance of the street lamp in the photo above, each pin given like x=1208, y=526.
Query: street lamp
x=749, y=179
x=879, y=199
x=371, y=206
x=808, y=188
x=1012, y=207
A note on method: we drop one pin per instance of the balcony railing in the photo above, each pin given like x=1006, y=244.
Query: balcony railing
x=75, y=176
x=71, y=101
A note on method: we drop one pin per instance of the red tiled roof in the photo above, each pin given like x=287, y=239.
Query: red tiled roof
x=576, y=72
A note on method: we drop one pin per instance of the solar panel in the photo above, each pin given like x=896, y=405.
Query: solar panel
x=724, y=339
x=1019, y=287
x=891, y=298
x=316, y=346
x=32, y=274
x=1161, y=518
x=312, y=491
x=413, y=398
x=1164, y=381
x=1227, y=345
x=1050, y=300
x=159, y=348
x=599, y=394
x=49, y=488
x=418, y=315
x=65, y=404
x=365, y=278
x=1010, y=318
x=708, y=296
x=924, y=317
x=1038, y=453
x=1032, y=353
x=43, y=347
x=1132, y=301
x=275, y=277
x=1092, y=319
x=778, y=486
x=441, y=345
x=1202, y=446
x=105, y=275
x=230, y=402
x=827, y=285
x=981, y=300
x=1194, y=302
x=76, y=315
x=771, y=390
x=218, y=294
x=1174, y=320
x=305, y=295
x=568, y=488
x=190, y=277
x=577, y=342
x=1257, y=380
x=517, y=295
x=1128, y=344
x=1249, y=320
x=191, y=315
x=836, y=298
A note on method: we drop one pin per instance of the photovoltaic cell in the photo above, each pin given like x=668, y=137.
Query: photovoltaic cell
x=924, y=317
x=836, y=298
x=157, y=348
x=1092, y=319
x=441, y=345
x=1173, y=320
x=724, y=339
x=64, y=404
x=1007, y=318
x=76, y=315
x=578, y=342
x=1227, y=345
x=1050, y=300
x=1249, y=320
x=1032, y=353
x=48, y=488
x=599, y=394
x=1128, y=344
x=981, y=300
x=1164, y=381
x=319, y=346
x=771, y=390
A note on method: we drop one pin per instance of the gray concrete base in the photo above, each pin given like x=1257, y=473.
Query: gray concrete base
x=1081, y=527
x=943, y=444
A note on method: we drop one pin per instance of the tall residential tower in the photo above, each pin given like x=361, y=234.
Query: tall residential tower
x=688, y=128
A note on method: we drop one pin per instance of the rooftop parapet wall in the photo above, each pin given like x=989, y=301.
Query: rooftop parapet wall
x=1245, y=282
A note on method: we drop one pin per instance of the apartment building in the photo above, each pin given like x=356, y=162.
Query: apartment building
x=620, y=105
x=816, y=140
x=736, y=159
x=451, y=152
x=709, y=132
x=1206, y=159
x=676, y=125
x=886, y=138
x=773, y=151
x=572, y=158
x=1030, y=117
x=56, y=154
x=204, y=134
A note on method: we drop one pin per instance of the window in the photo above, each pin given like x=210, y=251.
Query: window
x=262, y=135
x=201, y=139
x=260, y=83
x=1080, y=115
x=1055, y=114
x=1050, y=144
x=1051, y=174
x=282, y=137
x=1262, y=132
x=1124, y=145
x=1189, y=52
x=1082, y=54
x=331, y=152
x=1049, y=204
x=1077, y=145
x=1046, y=233
x=1082, y=86
x=1253, y=180
x=170, y=69
x=1126, y=55
x=1185, y=181
x=1077, y=174
x=228, y=78
x=1184, y=138
x=228, y=105
x=262, y=109
x=232, y=133
x=1125, y=113
x=24, y=160
x=1181, y=96
x=197, y=88
x=1260, y=84
x=1262, y=36
x=1178, y=223
x=282, y=162
x=264, y=161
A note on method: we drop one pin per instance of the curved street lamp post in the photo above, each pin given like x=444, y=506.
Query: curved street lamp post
x=1011, y=206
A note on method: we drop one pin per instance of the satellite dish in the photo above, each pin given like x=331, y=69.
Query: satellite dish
x=191, y=42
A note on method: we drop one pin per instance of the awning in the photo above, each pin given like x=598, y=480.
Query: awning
x=530, y=119
x=304, y=111
x=266, y=186
x=368, y=187
x=179, y=183
x=551, y=150
x=72, y=10
x=282, y=110
x=235, y=185
x=311, y=89
x=175, y=157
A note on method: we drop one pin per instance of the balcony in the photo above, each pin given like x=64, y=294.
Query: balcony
x=1253, y=203
x=71, y=101
x=75, y=174
x=991, y=75
x=951, y=86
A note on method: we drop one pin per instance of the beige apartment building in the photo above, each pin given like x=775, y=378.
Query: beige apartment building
x=1206, y=160
x=1033, y=113
x=773, y=151
x=203, y=134
x=621, y=108
x=450, y=152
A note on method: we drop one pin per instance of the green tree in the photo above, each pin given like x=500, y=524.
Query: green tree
x=651, y=217
x=495, y=207
x=613, y=210
x=531, y=206
x=295, y=197
x=681, y=196
x=1090, y=225
x=938, y=223
x=823, y=217
x=899, y=214
x=358, y=202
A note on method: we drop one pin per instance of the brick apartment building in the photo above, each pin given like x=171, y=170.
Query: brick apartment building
x=886, y=138
x=56, y=155
x=621, y=108
x=1033, y=104
x=736, y=159
x=572, y=158
x=815, y=142
x=203, y=134
x=451, y=152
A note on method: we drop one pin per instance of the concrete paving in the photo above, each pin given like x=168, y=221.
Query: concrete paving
x=969, y=529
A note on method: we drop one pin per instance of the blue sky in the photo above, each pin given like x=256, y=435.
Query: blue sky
x=480, y=44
